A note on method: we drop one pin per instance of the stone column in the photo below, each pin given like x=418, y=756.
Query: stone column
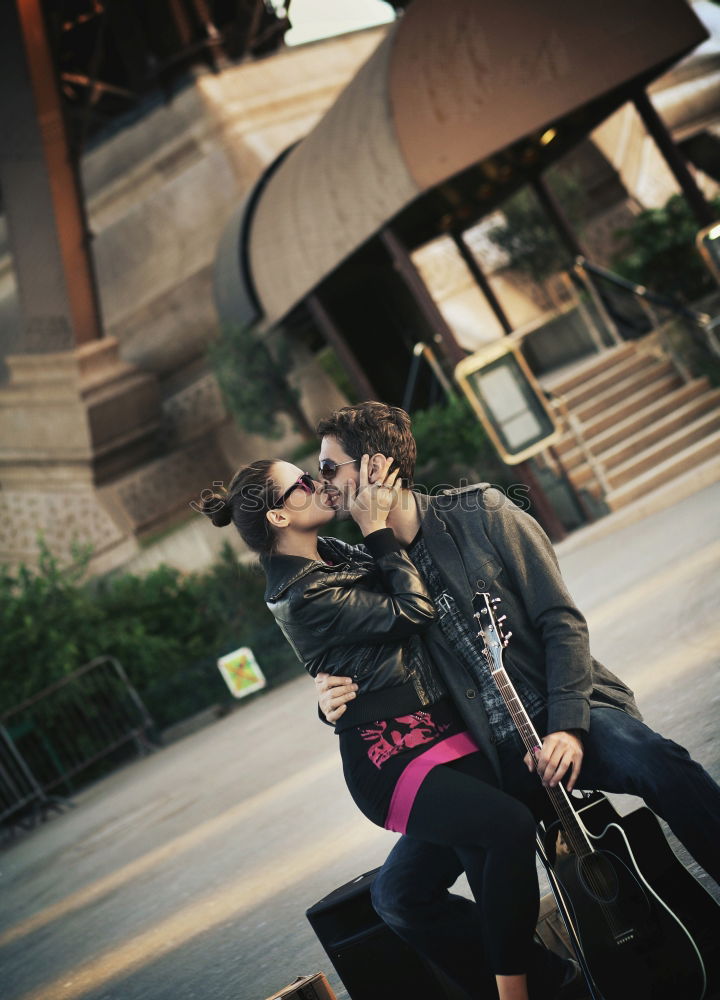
x=73, y=415
x=41, y=192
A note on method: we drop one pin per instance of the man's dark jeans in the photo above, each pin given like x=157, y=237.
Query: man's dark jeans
x=622, y=754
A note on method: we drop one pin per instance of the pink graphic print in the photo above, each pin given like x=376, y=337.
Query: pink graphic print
x=403, y=733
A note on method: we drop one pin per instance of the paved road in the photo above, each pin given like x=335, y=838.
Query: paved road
x=186, y=875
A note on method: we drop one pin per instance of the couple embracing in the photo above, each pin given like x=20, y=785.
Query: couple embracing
x=428, y=748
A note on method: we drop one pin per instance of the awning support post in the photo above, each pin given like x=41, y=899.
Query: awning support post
x=557, y=216
x=481, y=280
x=701, y=208
x=324, y=322
x=403, y=264
x=543, y=510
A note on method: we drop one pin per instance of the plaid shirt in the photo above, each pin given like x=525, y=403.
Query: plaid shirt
x=461, y=636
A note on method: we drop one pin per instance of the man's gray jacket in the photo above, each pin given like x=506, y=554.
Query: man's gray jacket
x=480, y=540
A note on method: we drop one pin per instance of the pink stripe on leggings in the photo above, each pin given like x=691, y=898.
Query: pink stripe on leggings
x=414, y=774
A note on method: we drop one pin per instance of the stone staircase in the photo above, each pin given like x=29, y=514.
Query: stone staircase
x=631, y=422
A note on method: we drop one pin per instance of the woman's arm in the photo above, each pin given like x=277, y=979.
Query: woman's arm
x=330, y=609
x=352, y=614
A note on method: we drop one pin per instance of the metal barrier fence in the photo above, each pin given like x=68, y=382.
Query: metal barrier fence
x=19, y=791
x=47, y=740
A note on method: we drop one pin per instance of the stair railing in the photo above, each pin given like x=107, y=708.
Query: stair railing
x=574, y=424
x=700, y=322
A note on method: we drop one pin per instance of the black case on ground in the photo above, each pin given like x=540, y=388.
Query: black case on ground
x=371, y=960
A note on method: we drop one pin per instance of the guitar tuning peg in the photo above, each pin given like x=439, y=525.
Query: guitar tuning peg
x=496, y=600
x=508, y=636
x=502, y=618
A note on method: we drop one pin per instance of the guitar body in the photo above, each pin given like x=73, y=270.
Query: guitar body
x=648, y=929
x=640, y=941
x=683, y=893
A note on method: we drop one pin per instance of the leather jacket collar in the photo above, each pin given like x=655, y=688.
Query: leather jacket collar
x=282, y=571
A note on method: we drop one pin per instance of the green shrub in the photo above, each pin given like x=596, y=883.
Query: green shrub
x=453, y=448
x=659, y=251
x=167, y=629
x=48, y=625
x=252, y=376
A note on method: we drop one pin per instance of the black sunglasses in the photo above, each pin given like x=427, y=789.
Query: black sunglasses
x=304, y=482
x=328, y=468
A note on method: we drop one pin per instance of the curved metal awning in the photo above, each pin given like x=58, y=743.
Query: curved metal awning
x=449, y=85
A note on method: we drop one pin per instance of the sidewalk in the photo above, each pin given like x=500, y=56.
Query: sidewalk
x=660, y=499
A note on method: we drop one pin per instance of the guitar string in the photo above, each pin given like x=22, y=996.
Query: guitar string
x=558, y=795
x=582, y=848
x=531, y=739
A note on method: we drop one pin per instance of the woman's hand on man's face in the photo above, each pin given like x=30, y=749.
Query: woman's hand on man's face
x=333, y=694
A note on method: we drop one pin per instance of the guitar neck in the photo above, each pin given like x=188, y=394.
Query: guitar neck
x=573, y=829
x=523, y=722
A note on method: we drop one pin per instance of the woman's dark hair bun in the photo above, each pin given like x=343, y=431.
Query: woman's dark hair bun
x=246, y=501
x=218, y=509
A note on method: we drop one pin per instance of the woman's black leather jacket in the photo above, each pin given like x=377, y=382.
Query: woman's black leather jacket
x=359, y=617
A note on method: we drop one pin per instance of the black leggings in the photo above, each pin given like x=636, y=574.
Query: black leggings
x=493, y=836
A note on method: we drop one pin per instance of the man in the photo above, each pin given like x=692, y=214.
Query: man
x=476, y=539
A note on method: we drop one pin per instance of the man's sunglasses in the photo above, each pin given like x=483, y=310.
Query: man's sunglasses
x=328, y=468
x=304, y=482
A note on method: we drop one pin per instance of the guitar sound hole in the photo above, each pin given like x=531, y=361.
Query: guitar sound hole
x=599, y=878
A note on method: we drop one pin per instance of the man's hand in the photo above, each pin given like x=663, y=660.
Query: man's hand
x=333, y=693
x=560, y=751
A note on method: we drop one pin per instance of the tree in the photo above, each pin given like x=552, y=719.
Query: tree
x=253, y=381
x=528, y=236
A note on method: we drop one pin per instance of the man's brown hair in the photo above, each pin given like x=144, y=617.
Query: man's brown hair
x=369, y=428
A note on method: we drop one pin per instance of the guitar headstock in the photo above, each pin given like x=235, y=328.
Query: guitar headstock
x=492, y=633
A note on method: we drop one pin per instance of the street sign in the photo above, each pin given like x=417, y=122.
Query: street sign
x=241, y=672
x=508, y=400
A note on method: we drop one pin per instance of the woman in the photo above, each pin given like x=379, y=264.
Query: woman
x=408, y=761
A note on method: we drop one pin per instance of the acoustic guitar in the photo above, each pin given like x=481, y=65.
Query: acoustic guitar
x=646, y=926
